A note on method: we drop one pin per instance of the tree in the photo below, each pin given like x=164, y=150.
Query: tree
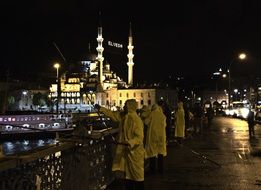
x=49, y=103
x=38, y=99
x=11, y=102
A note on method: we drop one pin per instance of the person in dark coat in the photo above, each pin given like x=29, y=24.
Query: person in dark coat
x=251, y=123
x=210, y=115
x=198, y=118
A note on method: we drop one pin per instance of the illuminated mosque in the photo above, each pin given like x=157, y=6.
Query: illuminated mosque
x=96, y=83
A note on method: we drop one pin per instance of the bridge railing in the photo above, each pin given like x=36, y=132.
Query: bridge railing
x=79, y=163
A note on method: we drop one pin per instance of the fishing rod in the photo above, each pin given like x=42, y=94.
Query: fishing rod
x=101, y=119
x=199, y=155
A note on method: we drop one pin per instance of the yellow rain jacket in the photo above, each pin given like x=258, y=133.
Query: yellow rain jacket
x=156, y=133
x=129, y=159
x=180, y=121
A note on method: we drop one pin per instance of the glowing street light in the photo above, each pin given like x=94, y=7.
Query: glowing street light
x=241, y=56
x=57, y=66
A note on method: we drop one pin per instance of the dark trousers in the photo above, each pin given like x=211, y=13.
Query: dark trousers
x=168, y=132
x=134, y=185
x=209, y=122
x=197, y=124
x=157, y=163
x=251, y=129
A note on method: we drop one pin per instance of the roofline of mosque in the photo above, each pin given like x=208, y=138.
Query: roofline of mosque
x=146, y=87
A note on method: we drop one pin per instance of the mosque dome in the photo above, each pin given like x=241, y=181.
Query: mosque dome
x=89, y=55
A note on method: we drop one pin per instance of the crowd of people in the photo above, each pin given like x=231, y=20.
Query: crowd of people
x=144, y=135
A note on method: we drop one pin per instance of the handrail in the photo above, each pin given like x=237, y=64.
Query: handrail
x=8, y=162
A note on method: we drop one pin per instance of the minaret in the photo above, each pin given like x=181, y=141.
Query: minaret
x=130, y=59
x=100, y=50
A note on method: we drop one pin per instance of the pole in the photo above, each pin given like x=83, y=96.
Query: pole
x=241, y=56
x=229, y=86
x=57, y=66
x=57, y=102
x=216, y=89
x=229, y=82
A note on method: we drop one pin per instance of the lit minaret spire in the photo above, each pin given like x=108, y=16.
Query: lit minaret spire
x=130, y=59
x=100, y=50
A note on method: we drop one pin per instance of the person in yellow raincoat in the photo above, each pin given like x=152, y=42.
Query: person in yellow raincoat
x=180, y=122
x=155, y=146
x=129, y=159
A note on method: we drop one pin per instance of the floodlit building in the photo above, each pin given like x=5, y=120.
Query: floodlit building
x=92, y=81
x=115, y=98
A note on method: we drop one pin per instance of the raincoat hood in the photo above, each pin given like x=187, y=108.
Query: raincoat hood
x=131, y=105
x=156, y=133
x=155, y=107
x=180, y=105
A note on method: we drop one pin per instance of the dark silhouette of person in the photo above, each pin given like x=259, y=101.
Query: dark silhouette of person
x=188, y=119
x=210, y=115
x=198, y=118
x=251, y=123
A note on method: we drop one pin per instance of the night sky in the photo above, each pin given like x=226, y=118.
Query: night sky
x=171, y=38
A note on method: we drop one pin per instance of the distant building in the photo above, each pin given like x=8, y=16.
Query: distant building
x=214, y=97
x=115, y=98
x=18, y=95
x=24, y=100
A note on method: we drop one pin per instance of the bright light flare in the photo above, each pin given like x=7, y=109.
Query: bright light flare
x=244, y=112
x=242, y=56
x=56, y=65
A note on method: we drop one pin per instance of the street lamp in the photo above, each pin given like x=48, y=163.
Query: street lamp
x=241, y=56
x=57, y=66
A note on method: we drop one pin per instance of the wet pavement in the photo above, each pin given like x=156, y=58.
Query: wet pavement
x=223, y=157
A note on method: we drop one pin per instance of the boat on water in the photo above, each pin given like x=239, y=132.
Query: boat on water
x=34, y=126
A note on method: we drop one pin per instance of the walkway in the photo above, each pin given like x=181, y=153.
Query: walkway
x=196, y=164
